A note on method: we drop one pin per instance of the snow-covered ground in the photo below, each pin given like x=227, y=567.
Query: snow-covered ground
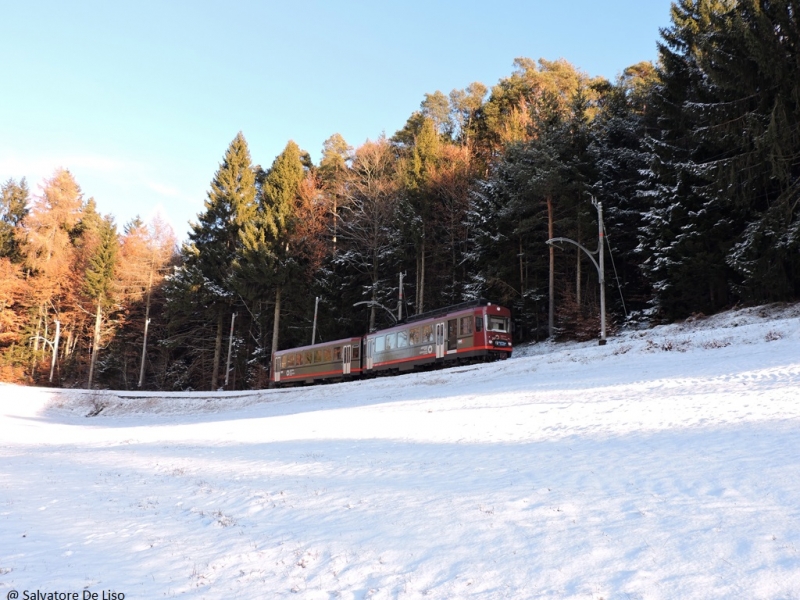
x=663, y=465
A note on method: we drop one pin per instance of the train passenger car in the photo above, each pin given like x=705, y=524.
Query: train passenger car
x=328, y=361
x=466, y=332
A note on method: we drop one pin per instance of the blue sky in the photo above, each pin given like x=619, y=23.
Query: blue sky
x=140, y=99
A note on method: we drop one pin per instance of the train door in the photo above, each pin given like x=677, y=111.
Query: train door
x=480, y=334
x=452, y=335
x=370, y=358
x=347, y=356
x=277, y=369
x=439, y=340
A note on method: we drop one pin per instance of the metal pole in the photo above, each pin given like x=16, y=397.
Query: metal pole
x=314, y=328
x=602, y=272
x=230, y=345
x=55, y=350
x=600, y=266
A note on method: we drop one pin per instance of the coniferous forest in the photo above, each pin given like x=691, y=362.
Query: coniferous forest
x=696, y=161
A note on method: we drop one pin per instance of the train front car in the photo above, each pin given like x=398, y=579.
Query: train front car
x=495, y=339
x=329, y=361
x=468, y=332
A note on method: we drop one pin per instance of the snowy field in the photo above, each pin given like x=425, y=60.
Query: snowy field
x=663, y=465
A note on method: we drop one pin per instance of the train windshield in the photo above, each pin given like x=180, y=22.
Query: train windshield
x=497, y=323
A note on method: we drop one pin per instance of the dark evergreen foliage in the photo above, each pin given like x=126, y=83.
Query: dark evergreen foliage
x=14, y=199
x=723, y=179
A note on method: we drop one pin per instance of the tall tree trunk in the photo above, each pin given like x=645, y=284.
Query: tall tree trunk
x=416, y=288
x=454, y=262
x=551, y=307
x=67, y=351
x=36, y=343
x=276, y=321
x=146, y=326
x=374, y=297
x=38, y=332
x=55, y=349
x=422, y=279
x=578, y=273
x=96, y=343
x=521, y=275
x=75, y=339
x=217, y=352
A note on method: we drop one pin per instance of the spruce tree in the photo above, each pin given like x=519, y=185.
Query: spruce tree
x=690, y=227
x=99, y=281
x=215, y=238
x=266, y=260
x=416, y=208
x=751, y=56
x=724, y=178
x=618, y=150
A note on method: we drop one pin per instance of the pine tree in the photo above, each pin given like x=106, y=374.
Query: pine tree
x=267, y=260
x=535, y=190
x=99, y=282
x=750, y=55
x=618, y=150
x=336, y=154
x=689, y=228
x=416, y=209
x=464, y=106
x=723, y=176
x=215, y=238
x=333, y=168
x=436, y=108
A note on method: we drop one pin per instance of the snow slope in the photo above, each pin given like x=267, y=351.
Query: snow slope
x=663, y=465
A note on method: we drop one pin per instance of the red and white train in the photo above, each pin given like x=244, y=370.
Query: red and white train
x=469, y=332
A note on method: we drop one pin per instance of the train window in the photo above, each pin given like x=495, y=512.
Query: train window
x=380, y=343
x=465, y=326
x=451, y=329
x=478, y=323
x=427, y=334
x=413, y=336
x=289, y=362
x=318, y=356
x=402, y=339
x=337, y=353
x=356, y=350
x=298, y=359
x=497, y=323
x=327, y=355
x=391, y=341
x=309, y=357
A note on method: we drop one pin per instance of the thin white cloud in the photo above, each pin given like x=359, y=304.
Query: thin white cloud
x=48, y=164
x=164, y=190
x=121, y=186
x=102, y=164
